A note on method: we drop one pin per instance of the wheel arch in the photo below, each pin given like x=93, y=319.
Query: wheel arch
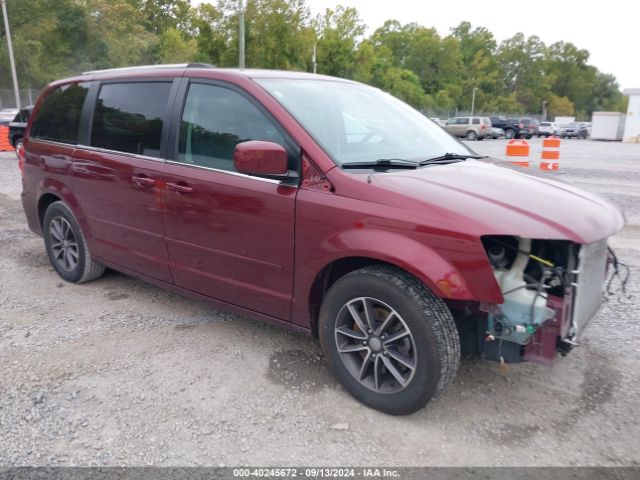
x=52, y=190
x=44, y=201
x=413, y=258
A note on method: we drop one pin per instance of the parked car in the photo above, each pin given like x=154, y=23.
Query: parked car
x=475, y=128
x=512, y=127
x=548, y=129
x=495, y=133
x=18, y=126
x=575, y=130
x=319, y=204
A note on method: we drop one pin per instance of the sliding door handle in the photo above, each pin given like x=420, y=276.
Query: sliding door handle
x=179, y=187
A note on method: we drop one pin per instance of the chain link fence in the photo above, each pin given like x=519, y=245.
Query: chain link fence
x=28, y=96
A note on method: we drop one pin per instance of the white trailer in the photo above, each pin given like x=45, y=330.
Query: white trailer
x=632, y=127
x=563, y=121
x=607, y=125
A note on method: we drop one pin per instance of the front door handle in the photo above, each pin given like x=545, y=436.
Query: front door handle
x=179, y=187
x=143, y=181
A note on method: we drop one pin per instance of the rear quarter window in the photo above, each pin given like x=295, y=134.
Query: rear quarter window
x=58, y=118
x=129, y=117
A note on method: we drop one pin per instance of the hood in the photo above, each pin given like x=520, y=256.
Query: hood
x=481, y=198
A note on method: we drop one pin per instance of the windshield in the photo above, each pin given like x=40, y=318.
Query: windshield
x=357, y=123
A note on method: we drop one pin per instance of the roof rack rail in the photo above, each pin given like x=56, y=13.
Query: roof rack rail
x=200, y=65
x=168, y=66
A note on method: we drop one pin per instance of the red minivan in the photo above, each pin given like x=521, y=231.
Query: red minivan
x=317, y=203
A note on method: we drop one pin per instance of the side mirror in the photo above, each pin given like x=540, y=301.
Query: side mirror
x=263, y=159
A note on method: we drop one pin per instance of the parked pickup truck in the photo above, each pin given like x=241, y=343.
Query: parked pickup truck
x=524, y=127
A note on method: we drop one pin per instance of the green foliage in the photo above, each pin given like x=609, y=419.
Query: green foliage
x=57, y=38
x=278, y=34
x=338, y=31
x=560, y=106
x=173, y=48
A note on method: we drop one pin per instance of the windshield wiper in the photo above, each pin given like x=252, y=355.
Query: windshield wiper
x=383, y=163
x=449, y=158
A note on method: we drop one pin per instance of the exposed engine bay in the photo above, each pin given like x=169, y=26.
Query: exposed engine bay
x=551, y=290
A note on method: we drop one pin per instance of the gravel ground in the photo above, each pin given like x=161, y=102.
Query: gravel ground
x=119, y=372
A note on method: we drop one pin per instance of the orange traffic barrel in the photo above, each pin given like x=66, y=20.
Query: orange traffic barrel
x=5, y=145
x=550, y=157
x=520, y=149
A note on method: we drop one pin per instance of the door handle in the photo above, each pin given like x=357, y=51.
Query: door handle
x=179, y=187
x=143, y=181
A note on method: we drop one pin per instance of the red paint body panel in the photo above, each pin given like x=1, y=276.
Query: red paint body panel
x=47, y=169
x=259, y=245
x=231, y=238
x=124, y=214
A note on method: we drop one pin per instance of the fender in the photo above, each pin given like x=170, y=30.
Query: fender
x=63, y=191
x=438, y=273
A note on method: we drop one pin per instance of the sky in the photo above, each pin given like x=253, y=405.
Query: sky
x=609, y=30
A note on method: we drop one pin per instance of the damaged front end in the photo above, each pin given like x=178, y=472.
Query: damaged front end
x=551, y=290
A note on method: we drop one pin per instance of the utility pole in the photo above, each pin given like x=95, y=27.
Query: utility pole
x=16, y=91
x=473, y=101
x=241, y=35
x=313, y=57
x=544, y=110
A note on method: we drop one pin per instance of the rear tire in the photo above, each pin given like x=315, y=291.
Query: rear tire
x=509, y=134
x=18, y=144
x=361, y=315
x=471, y=135
x=66, y=246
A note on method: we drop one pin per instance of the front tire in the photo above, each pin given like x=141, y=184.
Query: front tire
x=390, y=341
x=66, y=246
x=509, y=134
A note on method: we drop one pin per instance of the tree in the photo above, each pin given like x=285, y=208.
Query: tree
x=480, y=69
x=338, y=32
x=211, y=34
x=57, y=39
x=278, y=34
x=174, y=48
x=158, y=16
x=559, y=106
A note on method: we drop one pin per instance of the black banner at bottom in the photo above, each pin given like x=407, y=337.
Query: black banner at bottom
x=374, y=473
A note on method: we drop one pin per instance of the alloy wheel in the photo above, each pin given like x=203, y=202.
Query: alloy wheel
x=64, y=244
x=375, y=345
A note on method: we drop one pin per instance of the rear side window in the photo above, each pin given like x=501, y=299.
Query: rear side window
x=214, y=121
x=58, y=118
x=475, y=121
x=129, y=117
